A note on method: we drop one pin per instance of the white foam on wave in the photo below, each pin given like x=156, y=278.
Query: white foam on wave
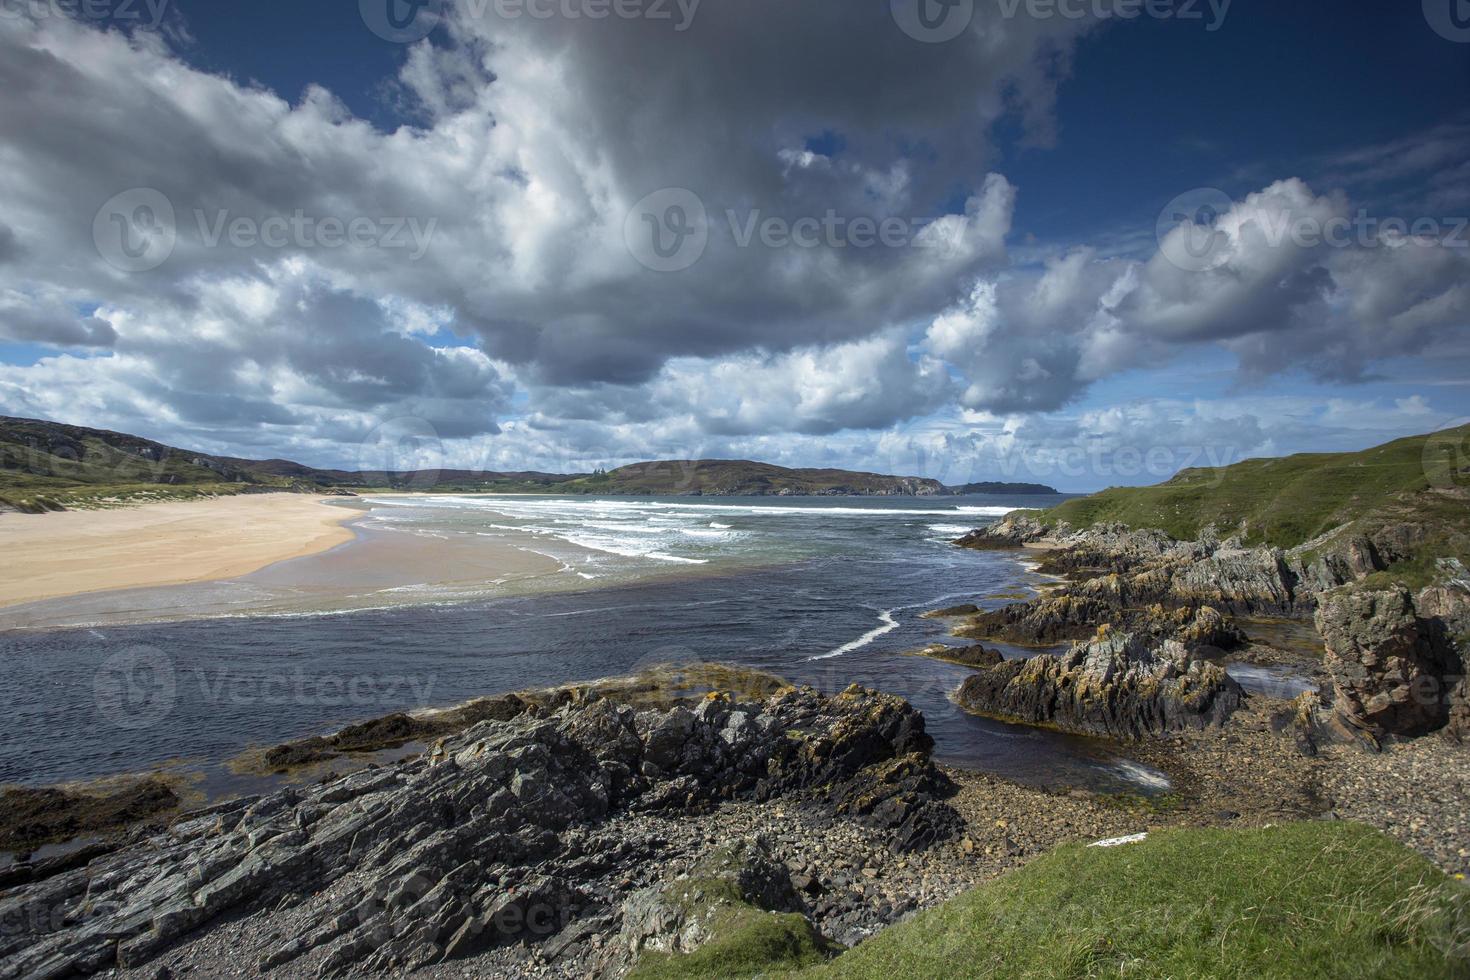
x=888, y=625
x=951, y=528
x=1141, y=775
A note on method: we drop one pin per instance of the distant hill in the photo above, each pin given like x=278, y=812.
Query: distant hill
x=51, y=466
x=1035, y=489
x=1421, y=483
x=742, y=478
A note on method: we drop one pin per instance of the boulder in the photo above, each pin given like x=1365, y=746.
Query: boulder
x=1389, y=674
x=681, y=915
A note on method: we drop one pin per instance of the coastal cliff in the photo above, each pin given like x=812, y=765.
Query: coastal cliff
x=1368, y=549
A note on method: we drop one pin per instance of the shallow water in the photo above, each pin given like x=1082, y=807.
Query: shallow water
x=826, y=592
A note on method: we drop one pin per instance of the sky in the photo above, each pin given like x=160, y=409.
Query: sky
x=1078, y=242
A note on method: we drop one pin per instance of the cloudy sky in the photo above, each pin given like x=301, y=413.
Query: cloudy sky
x=1086, y=243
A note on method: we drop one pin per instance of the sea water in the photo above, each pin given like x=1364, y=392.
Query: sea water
x=822, y=591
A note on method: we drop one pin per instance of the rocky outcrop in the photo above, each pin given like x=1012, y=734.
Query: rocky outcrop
x=1394, y=671
x=1077, y=614
x=1013, y=531
x=488, y=839
x=1244, y=580
x=970, y=656
x=1118, y=685
x=1040, y=622
x=1447, y=608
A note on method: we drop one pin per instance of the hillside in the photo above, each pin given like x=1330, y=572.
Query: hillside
x=717, y=477
x=50, y=466
x=979, y=489
x=1423, y=481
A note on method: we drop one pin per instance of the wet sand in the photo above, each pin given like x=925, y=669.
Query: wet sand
x=278, y=555
x=49, y=556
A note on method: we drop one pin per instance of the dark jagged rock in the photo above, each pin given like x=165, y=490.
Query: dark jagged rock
x=1076, y=615
x=1040, y=622
x=1392, y=671
x=1013, y=531
x=1447, y=608
x=970, y=656
x=31, y=817
x=482, y=841
x=1118, y=685
x=953, y=612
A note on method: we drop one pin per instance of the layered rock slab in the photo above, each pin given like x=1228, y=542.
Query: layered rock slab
x=1119, y=685
x=475, y=844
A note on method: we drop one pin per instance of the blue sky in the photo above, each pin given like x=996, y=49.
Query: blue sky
x=1055, y=323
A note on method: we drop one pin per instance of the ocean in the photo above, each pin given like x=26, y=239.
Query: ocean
x=822, y=591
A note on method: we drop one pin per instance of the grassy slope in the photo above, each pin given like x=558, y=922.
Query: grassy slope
x=1304, y=900
x=1293, y=500
x=43, y=464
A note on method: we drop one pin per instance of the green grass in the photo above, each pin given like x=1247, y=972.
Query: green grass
x=1292, y=500
x=1303, y=900
x=1321, y=899
x=749, y=942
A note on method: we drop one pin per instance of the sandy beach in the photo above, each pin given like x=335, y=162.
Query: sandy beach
x=72, y=553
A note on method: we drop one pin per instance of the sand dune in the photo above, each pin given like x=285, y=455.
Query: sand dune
x=48, y=556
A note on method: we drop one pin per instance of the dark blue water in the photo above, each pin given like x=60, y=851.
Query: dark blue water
x=84, y=703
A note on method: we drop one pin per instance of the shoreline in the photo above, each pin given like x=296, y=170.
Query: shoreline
x=76, y=553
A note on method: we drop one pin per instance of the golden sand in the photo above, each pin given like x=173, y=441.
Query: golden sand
x=47, y=556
